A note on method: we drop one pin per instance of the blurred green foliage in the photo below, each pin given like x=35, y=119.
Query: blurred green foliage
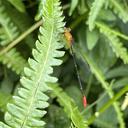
x=99, y=29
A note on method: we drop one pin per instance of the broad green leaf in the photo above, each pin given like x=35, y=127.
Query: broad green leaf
x=74, y=4
x=104, y=120
x=92, y=38
x=106, y=14
x=119, y=83
x=116, y=72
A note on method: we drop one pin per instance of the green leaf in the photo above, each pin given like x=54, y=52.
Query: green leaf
x=18, y=4
x=95, y=9
x=82, y=7
x=120, y=71
x=74, y=92
x=120, y=83
x=4, y=99
x=98, y=55
x=92, y=38
x=74, y=4
x=104, y=120
x=106, y=14
x=39, y=12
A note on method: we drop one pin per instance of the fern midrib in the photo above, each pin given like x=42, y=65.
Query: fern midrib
x=38, y=82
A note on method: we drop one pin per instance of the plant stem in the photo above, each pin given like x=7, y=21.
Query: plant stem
x=21, y=37
x=108, y=104
x=89, y=85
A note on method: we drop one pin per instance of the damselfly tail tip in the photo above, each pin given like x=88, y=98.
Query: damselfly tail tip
x=84, y=101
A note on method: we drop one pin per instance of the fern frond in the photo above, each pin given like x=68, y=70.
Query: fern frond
x=31, y=95
x=95, y=9
x=114, y=42
x=119, y=9
x=69, y=106
x=9, y=29
x=12, y=59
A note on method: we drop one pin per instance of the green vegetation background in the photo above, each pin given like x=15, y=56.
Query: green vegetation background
x=100, y=32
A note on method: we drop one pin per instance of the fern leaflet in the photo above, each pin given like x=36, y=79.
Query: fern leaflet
x=14, y=61
x=95, y=9
x=119, y=9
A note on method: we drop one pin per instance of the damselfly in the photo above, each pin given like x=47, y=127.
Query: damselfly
x=70, y=41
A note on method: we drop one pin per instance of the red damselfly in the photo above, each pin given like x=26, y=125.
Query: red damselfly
x=70, y=41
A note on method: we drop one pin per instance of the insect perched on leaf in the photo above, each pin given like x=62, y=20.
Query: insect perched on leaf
x=69, y=42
